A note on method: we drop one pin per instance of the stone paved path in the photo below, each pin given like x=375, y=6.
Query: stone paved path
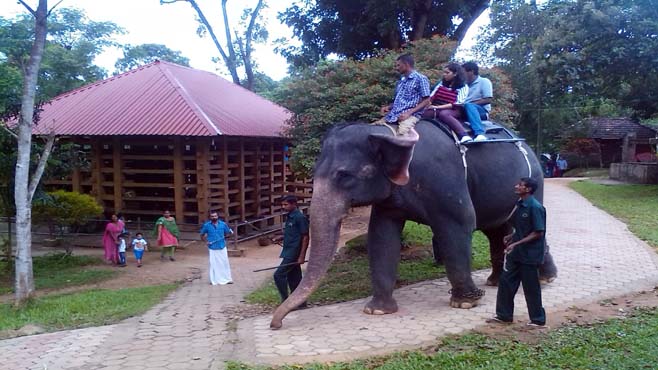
x=597, y=256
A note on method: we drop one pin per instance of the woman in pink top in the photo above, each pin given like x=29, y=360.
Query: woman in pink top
x=447, y=100
x=111, y=238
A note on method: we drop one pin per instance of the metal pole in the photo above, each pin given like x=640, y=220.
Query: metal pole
x=539, y=95
x=9, y=247
x=9, y=233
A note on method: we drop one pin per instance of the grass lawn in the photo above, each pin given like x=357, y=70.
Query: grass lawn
x=59, y=271
x=349, y=276
x=629, y=343
x=635, y=205
x=88, y=308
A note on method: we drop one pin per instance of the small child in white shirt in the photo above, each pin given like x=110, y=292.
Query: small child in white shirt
x=139, y=245
x=122, y=249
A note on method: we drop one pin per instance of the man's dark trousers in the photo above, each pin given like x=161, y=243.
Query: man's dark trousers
x=508, y=285
x=287, y=276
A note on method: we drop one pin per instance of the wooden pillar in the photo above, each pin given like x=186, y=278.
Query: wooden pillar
x=241, y=180
x=179, y=191
x=96, y=174
x=271, y=174
x=225, y=176
x=202, y=177
x=257, y=192
x=284, y=170
x=117, y=166
x=75, y=180
x=628, y=148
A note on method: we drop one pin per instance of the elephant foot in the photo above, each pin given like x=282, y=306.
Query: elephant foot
x=466, y=300
x=380, y=307
x=492, y=280
x=464, y=303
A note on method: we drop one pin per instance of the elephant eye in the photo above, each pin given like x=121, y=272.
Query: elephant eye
x=343, y=177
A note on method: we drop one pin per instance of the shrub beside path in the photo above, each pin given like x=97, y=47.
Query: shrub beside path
x=199, y=326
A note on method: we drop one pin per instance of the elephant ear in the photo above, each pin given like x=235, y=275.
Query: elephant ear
x=395, y=153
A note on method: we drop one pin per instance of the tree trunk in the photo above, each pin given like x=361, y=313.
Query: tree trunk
x=419, y=18
x=231, y=62
x=24, y=281
x=229, y=59
x=474, y=13
x=246, y=57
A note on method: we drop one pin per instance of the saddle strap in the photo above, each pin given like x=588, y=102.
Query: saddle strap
x=519, y=145
x=462, y=149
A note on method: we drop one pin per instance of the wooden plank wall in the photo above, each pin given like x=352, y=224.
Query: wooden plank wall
x=242, y=178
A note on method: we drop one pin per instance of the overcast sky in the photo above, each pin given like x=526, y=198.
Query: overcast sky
x=174, y=25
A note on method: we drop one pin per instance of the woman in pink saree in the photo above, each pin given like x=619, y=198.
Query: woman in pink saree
x=111, y=239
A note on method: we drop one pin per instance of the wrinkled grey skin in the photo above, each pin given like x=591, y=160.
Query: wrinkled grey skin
x=365, y=165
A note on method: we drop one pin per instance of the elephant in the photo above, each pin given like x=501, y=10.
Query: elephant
x=419, y=177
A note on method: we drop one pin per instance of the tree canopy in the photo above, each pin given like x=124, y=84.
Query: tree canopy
x=358, y=28
x=73, y=42
x=572, y=59
x=135, y=56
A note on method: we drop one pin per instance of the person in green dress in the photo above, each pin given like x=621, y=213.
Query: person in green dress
x=167, y=233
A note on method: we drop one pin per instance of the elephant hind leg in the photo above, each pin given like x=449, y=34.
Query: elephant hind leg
x=454, y=241
x=548, y=270
x=496, y=250
x=436, y=252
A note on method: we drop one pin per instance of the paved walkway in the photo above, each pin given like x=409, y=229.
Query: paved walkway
x=596, y=255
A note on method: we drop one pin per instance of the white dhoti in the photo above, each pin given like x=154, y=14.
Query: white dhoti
x=220, y=270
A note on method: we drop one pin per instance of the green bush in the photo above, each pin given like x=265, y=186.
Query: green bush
x=62, y=209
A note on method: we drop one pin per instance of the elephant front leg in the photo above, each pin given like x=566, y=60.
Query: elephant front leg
x=384, y=256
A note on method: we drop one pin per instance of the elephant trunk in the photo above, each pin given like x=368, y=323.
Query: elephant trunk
x=327, y=210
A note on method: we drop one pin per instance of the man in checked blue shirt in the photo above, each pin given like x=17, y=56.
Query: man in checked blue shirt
x=412, y=94
x=213, y=233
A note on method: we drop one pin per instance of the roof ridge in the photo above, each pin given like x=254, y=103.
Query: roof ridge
x=182, y=91
x=215, y=75
x=103, y=81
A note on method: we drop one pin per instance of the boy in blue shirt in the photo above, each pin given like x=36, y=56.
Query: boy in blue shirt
x=213, y=233
x=139, y=245
x=478, y=102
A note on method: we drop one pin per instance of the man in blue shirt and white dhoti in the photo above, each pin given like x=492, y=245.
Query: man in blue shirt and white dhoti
x=213, y=233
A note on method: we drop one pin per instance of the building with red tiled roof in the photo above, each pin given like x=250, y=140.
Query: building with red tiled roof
x=163, y=98
x=164, y=136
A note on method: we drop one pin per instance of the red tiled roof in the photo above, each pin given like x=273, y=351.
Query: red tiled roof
x=162, y=98
x=617, y=128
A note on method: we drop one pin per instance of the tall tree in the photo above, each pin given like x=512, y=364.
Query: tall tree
x=234, y=52
x=68, y=60
x=571, y=59
x=10, y=86
x=24, y=185
x=358, y=28
x=135, y=56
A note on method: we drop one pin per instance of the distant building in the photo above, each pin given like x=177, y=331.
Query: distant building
x=164, y=136
x=622, y=139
